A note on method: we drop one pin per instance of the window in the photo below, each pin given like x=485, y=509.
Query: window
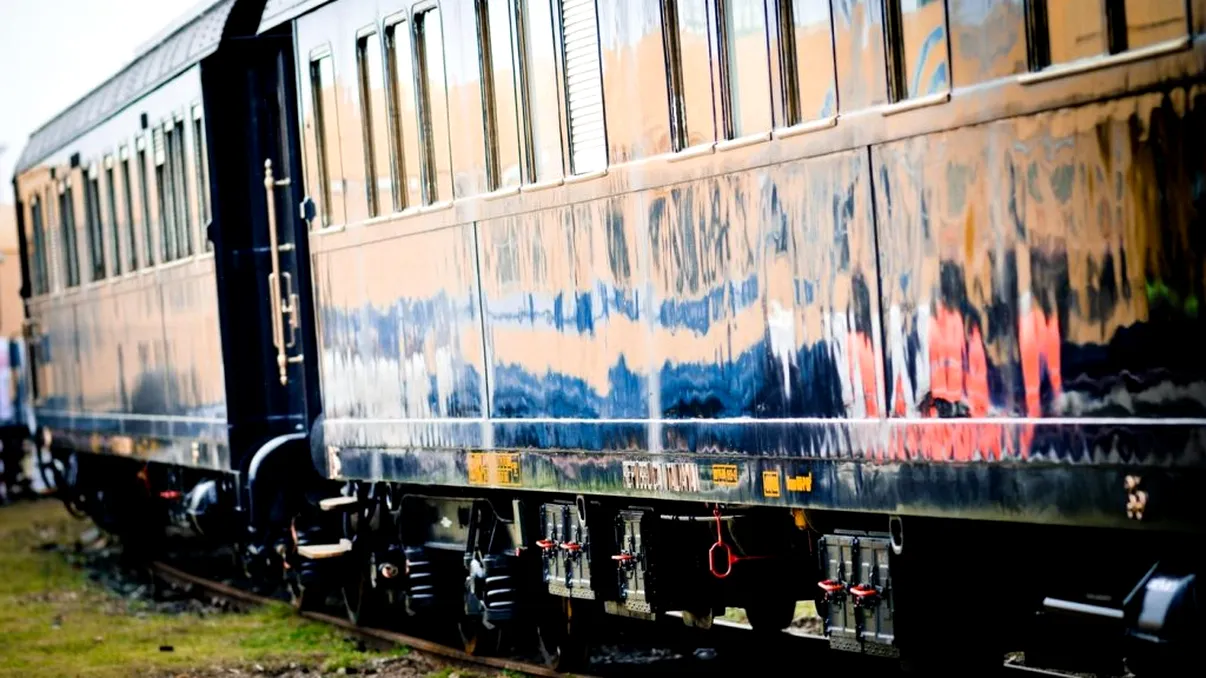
x=988, y=41
x=326, y=134
x=407, y=177
x=583, y=86
x=179, y=185
x=127, y=236
x=372, y=107
x=1082, y=29
x=201, y=168
x=540, y=97
x=858, y=47
x=113, y=230
x=685, y=29
x=166, y=197
x=39, y=279
x=744, y=68
x=144, y=200
x=919, y=64
x=806, y=44
x=433, y=106
x=71, y=261
x=96, y=229
x=499, y=95
x=1152, y=21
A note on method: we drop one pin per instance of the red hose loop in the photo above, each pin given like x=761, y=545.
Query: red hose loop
x=729, y=559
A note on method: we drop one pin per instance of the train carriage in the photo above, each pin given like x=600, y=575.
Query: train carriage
x=510, y=307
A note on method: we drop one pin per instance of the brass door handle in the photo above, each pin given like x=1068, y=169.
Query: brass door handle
x=280, y=305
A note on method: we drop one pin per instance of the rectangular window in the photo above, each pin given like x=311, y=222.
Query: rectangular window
x=71, y=257
x=326, y=132
x=372, y=112
x=583, y=86
x=858, y=47
x=96, y=228
x=404, y=119
x=166, y=197
x=184, y=224
x=1153, y=21
x=988, y=40
x=499, y=94
x=540, y=98
x=201, y=160
x=144, y=201
x=113, y=229
x=433, y=109
x=744, y=68
x=920, y=61
x=1076, y=29
x=806, y=56
x=127, y=236
x=40, y=281
x=685, y=35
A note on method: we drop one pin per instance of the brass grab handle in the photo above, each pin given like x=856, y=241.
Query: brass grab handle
x=280, y=306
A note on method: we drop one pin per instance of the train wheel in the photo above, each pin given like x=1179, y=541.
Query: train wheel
x=561, y=632
x=478, y=639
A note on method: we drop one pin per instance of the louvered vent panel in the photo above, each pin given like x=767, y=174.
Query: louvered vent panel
x=583, y=86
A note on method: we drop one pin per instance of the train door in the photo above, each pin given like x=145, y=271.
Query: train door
x=260, y=239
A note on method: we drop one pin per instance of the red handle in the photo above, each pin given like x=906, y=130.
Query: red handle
x=863, y=591
x=546, y=544
x=831, y=586
x=623, y=557
x=571, y=546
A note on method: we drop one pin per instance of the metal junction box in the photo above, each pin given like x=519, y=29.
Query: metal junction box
x=857, y=591
x=632, y=562
x=566, y=545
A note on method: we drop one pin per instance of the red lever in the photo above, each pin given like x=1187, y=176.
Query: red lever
x=623, y=557
x=169, y=494
x=864, y=593
x=546, y=544
x=571, y=546
x=831, y=586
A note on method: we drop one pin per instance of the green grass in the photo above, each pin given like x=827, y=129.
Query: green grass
x=55, y=622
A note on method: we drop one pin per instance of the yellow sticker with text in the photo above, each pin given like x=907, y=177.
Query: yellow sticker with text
x=493, y=468
x=770, y=484
x=724, y=474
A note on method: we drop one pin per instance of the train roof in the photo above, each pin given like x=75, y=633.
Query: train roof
x=181, y=44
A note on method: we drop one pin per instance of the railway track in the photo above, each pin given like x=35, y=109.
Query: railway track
x=733, y=644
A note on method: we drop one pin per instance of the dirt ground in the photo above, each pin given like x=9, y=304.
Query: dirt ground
x=64, y=612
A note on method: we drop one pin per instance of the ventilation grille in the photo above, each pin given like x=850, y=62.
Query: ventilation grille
x=583, y=86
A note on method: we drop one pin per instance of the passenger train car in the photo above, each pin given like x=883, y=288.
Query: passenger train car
x=525, y=312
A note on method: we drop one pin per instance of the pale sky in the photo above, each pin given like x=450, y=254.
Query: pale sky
x=52, y=52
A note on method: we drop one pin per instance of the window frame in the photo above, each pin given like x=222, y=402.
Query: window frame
x=94, y=224
x=201, y=168
x=322, y=162
x=433, y=193
x=112, y=218
x=142, y=156
x=69, y=234
x=1117, y=49
x=367, y=124
x=728, y=132
x=40, y=274
x=124, y=161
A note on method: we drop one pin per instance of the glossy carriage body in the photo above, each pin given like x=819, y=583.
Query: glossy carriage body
x=641, y=264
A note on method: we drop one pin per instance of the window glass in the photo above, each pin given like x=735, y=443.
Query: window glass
x=180, y=200
x=113, y=229
x=688, y=55
x=988, y=40
x=129, y=241
x=408, y=178
x=376, y=130
x=201, y=168
x=926, y=66
x=465, y=104
x=326, y=132
x=40, y=280
x=858, y=45
x=746, y=71
x=541, y=101
x=1151, y=21
x=498, y=76
x=166, y=198
x=92, y=220
x=67, y=235
x=634, y=72
x=1077, y=29
x=144, y=201
x=810, y=86
x=429, y=43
